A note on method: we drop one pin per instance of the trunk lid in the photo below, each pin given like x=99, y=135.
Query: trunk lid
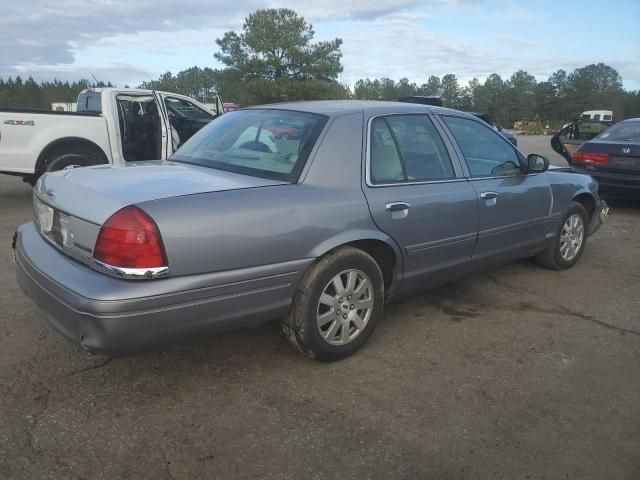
x=93, y=194
x=71, y=205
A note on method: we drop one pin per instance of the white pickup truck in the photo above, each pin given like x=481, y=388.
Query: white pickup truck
x=110, y=126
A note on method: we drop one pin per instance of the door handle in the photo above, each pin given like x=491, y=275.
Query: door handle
x=488, y=195
x=396, y=206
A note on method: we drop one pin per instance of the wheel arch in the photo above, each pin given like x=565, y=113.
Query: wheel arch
x=587, y=200
x=381, y=247
x=70, y=142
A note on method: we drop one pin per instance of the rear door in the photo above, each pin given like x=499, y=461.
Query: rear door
x=418, y=195
x=514, y=207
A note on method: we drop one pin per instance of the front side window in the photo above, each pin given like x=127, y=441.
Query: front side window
x=486, y=152
x=244, y=142
x=407, y=148
x=185, y=119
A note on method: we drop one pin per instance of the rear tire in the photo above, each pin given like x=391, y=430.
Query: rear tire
x=72, y=156
x=326, y=323
x=569, y=242
x=71, y=159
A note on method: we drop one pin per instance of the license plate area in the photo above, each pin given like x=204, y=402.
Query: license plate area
x=53, y=224
x=624, y=163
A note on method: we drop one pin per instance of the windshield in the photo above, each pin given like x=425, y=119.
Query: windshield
x=264, y=143
x=625, y=131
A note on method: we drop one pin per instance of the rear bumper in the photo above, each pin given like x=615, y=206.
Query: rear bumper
x=620, y=181
x=598, y=217
x=116, y=317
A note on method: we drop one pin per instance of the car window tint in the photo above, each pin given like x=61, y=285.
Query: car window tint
x=386, y=166
x=407, y=148
x=486, y=152
x=423, y=152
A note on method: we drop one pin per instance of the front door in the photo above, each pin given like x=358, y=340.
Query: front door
x=514, y=207
x=417, y=195
x=185, y=118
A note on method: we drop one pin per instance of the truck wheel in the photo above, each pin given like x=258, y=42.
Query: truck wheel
x=67, y=157
x=336, y=306
x=569, y=243
x=73, y=159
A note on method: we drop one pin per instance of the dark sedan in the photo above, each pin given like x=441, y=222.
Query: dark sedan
x=613, y=156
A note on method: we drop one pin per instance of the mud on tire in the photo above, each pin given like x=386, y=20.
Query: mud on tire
x=300, y=326
x=552, y=257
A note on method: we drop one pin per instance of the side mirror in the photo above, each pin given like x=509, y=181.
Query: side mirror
x=537, y=163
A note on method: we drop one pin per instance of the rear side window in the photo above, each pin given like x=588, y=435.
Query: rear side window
x=486, y=152
x=89, y=102
x=407, y=148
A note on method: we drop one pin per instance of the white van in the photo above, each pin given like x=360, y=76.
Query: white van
x=597, y=115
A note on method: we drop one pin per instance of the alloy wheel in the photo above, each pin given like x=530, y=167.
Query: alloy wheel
x=571, y=237
x=345, y=307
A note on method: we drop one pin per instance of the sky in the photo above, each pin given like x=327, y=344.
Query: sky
x=130, y=41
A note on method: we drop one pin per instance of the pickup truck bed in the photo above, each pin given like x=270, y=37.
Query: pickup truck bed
x=112, y=126
x=27, y=135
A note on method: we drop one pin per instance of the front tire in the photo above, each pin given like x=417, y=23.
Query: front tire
x=336, y=306
x=571, y=238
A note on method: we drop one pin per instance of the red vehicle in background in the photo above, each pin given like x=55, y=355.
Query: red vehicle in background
x=230, y=107
x=284, y=131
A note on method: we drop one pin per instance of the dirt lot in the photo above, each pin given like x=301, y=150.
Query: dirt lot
x=519, y=372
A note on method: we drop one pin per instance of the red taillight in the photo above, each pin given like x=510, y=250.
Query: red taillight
x=130, y=239
x=591, y=158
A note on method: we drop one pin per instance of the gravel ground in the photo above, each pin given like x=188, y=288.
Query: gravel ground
x=540, y=144
x=516, y=373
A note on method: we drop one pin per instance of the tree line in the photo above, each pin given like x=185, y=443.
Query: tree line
x=558, y=99
x=14, y=92
x=274, y=59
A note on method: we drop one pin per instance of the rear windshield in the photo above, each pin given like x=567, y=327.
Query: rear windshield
x=624, y=131
x=89, y=102
x=264, y=143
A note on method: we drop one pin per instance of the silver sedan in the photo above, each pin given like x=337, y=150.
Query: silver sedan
x=366, y=202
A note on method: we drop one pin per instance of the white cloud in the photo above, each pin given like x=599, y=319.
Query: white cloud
x=129, y=41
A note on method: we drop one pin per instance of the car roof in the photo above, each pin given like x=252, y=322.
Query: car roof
x=631, y=120
x=343, y=107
